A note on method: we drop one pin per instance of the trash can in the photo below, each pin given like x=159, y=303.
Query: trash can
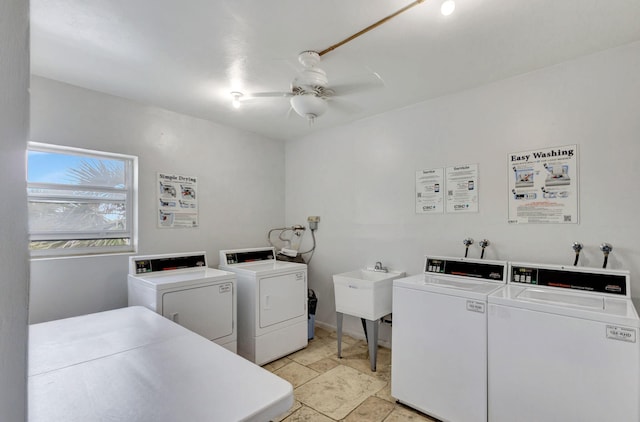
x=312, y=303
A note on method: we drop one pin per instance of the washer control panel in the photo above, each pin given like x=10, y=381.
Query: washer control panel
x=466, y=267
x=587, y=280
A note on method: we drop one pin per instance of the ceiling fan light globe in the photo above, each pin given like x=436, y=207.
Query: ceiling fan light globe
x=447, y=7
x=308, y=106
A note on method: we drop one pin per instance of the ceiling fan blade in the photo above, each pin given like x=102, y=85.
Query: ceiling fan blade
x=289, y=112
x=270, y=94
x=343, y=106
x=374, y=82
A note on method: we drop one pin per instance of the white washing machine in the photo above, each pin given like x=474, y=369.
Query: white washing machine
x=439, y=337
x=563, y=346
x=182, y=288
x=272, y=303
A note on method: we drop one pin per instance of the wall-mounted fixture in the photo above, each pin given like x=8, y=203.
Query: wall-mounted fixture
x=235, y=102
x=467, y=242
x=313, y=221
x=577, y=247
x=606, y=248
x=483, y=244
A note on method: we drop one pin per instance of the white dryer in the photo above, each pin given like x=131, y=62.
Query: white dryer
x=272, y=303
x=563, y=346
x=182, y=288
x=439, y=337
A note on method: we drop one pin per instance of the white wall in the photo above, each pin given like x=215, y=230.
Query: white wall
x=361, y=178
x=14, y=124
x=240, y=182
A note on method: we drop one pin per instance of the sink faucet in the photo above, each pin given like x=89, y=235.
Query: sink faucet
x=380, y=268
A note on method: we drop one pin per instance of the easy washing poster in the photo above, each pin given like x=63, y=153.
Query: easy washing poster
x=543, y=185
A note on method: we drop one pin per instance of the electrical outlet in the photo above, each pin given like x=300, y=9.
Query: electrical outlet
x=313, y=222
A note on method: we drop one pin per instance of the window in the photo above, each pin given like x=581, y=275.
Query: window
x=80, y=201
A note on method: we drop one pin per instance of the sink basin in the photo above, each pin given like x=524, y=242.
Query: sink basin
x=364, y=293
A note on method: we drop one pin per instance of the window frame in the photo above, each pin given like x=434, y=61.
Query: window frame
x=131, y=205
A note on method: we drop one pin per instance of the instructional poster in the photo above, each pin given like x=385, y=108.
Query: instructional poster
x=543, y=185
x=462, y=188
x=177, y=201
x=429, y=191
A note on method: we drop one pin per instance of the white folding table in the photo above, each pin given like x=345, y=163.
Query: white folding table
x=132, y=364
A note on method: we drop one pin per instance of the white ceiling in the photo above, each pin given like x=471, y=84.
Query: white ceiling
x=187, y=56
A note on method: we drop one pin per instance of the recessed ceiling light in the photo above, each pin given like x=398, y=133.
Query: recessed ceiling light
x=447, y=7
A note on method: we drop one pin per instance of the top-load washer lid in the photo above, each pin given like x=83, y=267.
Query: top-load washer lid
x=562, y=298
x=471, y=286
x=275, y=265
x=588, y=293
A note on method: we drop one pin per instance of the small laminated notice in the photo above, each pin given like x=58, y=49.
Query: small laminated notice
x=621, y=333
x=475, y=306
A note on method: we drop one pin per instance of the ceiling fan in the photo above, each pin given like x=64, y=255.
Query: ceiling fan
x=310, y=91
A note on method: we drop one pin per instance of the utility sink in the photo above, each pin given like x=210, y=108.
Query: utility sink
x=365, y=293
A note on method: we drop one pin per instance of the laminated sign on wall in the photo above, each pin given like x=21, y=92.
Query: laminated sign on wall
x=460, y=184
x=462, y=188
x=177, y=201
x=429, y=191
x=543, y=185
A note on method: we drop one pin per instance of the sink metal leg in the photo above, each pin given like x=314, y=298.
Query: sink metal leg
x=364, y=328
x=339, y=316
x=372, y=330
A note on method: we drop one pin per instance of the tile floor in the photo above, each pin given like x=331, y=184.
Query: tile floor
x=330, y=389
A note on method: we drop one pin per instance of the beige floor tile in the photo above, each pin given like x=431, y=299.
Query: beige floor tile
x=385, y=394
x=345, y=338
x=332, y=389
x=357, y=350
x=296, y=405
x=384, y=356
x=357, y=357
x=363, y=364
x=323, y=365
x=296, y=374
x=319, y=332
x=331, y=342
x=383, y=371
x=373, y=409
x=315, y=351
x=339, y=391
x=305, y=414
x=276, y=364
x=403, y=414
